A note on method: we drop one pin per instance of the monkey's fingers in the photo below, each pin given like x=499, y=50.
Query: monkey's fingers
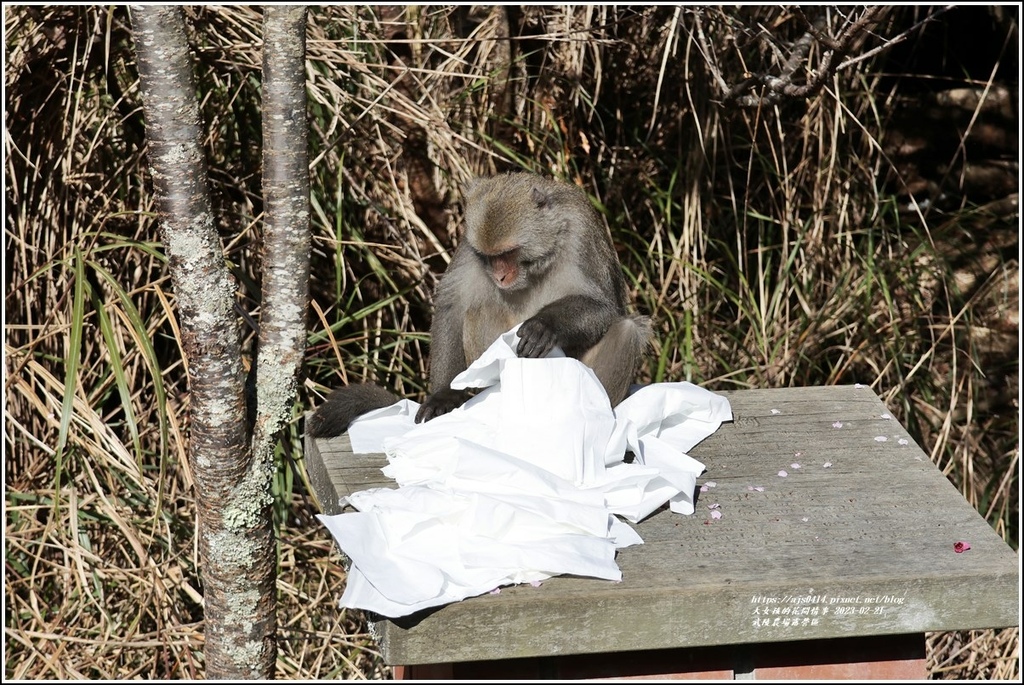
x=429, y=410
x=536, y=339
x=440, y=403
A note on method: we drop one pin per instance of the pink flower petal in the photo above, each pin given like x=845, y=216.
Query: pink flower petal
x=782, y=474
x=903, y=441
x=961, y=546
x=886, y=416
x=535, y=583
x=711, y=484
x=716, y=514
x=759, y=488
x=776, y=411
x=716, y=505
x=704, y=488
x=827, y=465
x=794, y=466
x=881, y=438
x=805, y=519
x=837, y=424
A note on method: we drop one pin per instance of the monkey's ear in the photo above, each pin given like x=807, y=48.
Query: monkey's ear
x=540, y=198
x=471, y=186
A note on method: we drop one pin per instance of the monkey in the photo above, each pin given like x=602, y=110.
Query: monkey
x=535, y=252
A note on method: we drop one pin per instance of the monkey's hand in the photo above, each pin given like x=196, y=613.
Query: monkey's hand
x=441, y=402
x=536, y=338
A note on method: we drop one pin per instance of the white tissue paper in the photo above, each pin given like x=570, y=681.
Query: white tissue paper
x=523, y=482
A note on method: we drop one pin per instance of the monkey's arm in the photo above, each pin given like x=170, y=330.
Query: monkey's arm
x=447, y=360
x=343, y=406
x=575, y=323
x=447, y=351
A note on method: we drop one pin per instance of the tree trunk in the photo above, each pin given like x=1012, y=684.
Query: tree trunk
x=236, y=546
x=286, y=237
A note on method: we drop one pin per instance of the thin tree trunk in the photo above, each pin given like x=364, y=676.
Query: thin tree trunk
x=286, y=237
x=236, y=546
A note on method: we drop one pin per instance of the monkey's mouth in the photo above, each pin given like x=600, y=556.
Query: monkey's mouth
x=511, y=285
x=507, y=284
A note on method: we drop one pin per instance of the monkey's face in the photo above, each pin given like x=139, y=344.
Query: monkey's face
x=504, y=270
x=515, y=268
x=513, y=228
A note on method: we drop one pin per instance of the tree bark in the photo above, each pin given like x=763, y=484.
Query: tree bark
x=236, y=545
x=286, y=236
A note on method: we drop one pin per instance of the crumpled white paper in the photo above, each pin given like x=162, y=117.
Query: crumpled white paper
x=521, y=483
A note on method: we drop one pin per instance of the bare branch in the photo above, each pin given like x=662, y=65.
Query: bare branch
x=764, y=87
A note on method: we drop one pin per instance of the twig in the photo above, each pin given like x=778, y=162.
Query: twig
x=776, y=88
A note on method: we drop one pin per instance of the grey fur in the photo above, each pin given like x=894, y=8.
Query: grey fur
x=569, y=289
x=543, y=240
x=343, y=406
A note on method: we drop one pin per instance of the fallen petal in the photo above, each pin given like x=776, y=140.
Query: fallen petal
x=782, y=474
x=716, y=514
x=961, y=546
x=881, y=438
x=837, y=424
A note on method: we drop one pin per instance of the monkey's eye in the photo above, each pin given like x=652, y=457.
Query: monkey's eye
x=528, y=261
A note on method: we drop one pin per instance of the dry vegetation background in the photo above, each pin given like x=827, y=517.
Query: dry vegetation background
x=865, y=233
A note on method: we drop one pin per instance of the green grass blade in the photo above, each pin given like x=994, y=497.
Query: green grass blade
x=117, y=368
x=137, y=325
x=72, y=355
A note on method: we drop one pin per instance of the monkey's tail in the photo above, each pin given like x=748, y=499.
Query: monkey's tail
x=343, y=406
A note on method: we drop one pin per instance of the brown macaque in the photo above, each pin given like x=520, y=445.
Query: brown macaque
x=534, y=251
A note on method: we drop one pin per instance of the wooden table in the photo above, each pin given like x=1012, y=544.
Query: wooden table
x=834, y=570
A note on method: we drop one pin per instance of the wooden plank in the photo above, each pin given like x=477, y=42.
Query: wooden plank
x=888, y=657
x=334, y=471
x=861, y=547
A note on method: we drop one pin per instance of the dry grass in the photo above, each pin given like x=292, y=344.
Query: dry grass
x=775, y=247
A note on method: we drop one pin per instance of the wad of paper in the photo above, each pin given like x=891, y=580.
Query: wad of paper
x=525, y=481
